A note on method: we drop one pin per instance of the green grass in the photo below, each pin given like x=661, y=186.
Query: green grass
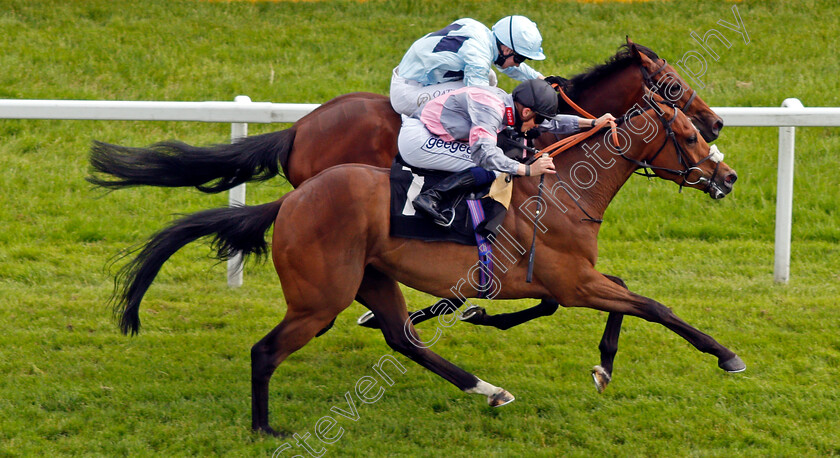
x=73, y=385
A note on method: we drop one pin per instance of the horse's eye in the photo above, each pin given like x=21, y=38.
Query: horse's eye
x=675, y=91
x=692, y=140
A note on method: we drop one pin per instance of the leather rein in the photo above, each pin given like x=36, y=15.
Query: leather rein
x=650, y=88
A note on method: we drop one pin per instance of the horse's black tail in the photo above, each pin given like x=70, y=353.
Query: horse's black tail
x=210, y=169
x=234, y=229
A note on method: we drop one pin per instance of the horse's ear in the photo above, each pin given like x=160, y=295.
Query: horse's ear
x=634, y=50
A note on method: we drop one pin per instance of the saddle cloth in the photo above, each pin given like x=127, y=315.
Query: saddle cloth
x=407, y=183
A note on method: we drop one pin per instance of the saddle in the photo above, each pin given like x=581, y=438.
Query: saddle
x=487, y=213
x=407, y=182
x=476, y=217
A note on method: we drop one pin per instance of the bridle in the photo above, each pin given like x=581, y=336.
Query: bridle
x=688, y=166
x=651, y=84
x=683, y=158
x=685, y=161
x=714, y=154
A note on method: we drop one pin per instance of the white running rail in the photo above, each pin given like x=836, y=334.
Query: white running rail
x=242, y=111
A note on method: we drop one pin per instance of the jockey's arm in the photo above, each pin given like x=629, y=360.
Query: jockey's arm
x=564, y=124
x=477, y=64
x=522, y=73
x=487, y=155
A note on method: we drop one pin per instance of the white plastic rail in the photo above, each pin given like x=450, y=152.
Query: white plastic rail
x=242, y=111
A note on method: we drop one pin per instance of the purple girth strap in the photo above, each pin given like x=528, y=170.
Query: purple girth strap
x=484, y=249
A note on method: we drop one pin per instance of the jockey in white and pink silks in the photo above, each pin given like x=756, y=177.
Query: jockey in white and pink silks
x=457, y=132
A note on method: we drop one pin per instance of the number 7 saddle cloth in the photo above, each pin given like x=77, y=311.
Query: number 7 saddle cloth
x=482, y=215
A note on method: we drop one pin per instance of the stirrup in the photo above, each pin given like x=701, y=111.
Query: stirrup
x=444, y=222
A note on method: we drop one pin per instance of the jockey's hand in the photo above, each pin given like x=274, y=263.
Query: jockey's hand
x=556, y=80
x=542, y=165
x=605, y=117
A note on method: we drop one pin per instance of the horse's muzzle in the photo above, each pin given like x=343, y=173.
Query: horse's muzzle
x=721, y=186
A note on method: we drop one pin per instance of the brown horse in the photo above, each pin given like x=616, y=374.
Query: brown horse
x=326, y=258
x=362, y=128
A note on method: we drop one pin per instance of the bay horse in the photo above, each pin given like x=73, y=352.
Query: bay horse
x=326, y=258
x=362, y=128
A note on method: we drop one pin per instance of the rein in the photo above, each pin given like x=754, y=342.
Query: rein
x=568, y=142
x=682, y=157
x=558, y=147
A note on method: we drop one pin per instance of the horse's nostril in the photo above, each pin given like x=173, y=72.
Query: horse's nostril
x=731, y=179
x=716, y=127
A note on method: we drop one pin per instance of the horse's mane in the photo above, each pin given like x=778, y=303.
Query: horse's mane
x=623, y=58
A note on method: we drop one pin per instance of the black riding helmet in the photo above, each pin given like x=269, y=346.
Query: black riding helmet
x=537, y=95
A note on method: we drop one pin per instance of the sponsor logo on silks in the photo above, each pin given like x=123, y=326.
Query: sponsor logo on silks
x=435, y=145
x=509, y=116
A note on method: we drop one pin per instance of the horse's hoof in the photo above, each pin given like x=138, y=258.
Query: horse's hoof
x=733, y=365
x=499, y=399
x=269, y=431
x=472, y=313
x=368, y=320
x=601, y=378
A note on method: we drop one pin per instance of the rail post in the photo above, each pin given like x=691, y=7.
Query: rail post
x=784, y=197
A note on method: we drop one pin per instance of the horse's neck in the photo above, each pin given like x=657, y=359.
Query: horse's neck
x=615, y=93
x=588, y=178
x=595, y=176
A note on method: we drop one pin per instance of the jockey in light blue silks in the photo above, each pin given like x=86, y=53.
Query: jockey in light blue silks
x=456, y=132
x=461, y=54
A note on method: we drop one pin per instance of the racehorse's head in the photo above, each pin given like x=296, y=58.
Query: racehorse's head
x=664, y=80
x=678, y=153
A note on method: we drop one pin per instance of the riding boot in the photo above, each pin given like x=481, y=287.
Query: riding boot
x=428, y=201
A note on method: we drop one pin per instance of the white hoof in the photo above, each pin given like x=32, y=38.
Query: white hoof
x=496, y=396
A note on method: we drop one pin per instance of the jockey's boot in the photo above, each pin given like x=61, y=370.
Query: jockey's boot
x=428, y=202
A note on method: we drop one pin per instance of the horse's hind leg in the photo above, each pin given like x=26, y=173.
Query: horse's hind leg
x=441, y=307
x=310, y=309
x=383, y=296
x=295, y=331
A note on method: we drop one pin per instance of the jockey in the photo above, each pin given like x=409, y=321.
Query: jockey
x=460, y=55
x=457, y=131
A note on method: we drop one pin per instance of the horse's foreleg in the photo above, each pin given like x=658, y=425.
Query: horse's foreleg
x=604, y=294
x=505, y=321
x=602, y=374
x=383, y=296
x=473, y=315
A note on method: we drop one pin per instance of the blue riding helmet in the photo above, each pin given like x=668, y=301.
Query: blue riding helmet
x=521, y=35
